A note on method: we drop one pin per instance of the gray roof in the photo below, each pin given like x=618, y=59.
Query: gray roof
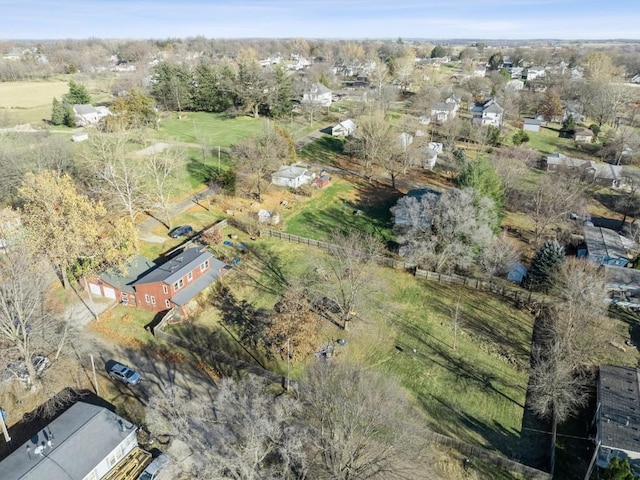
x=443, y=107
x=176, y=268
x=290, y=171
x=532, y=121
x=83, y=436
x=622, y=278
x=84, y=109
x=491, y=106
x=604, y=242
x=194, y=288
x=619, y=401
x=138, y=266
x=318, y=89
x=562, y=160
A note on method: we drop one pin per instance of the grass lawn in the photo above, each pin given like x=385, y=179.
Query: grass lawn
x=474, y=392
x=125, y=325
x=325, y=149
x=207, y=128
x=343, y=205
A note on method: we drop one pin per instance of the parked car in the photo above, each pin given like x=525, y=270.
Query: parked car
x=153, y=469
x=124, y=374
x=181, y=231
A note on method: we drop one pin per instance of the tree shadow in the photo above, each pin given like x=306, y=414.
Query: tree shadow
x=200, y=171
x=262, y=268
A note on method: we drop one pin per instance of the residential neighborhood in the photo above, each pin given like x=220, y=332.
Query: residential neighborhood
x=252, y=255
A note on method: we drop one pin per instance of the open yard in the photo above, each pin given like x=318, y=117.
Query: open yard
x=344, y=205
x=207, y=128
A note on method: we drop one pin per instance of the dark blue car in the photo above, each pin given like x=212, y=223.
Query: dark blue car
x=181, y=231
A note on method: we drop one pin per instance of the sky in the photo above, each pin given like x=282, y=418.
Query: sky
x=348, y=19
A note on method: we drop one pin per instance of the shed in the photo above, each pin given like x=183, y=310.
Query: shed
x=532, y=125
x=583, y=135
x=516, y=273
x=80, y=137
x=268, y=216
x=346, y=128
x=605, y=247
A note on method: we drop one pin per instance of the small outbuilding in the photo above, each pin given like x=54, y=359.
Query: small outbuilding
x=532, y=125
x=583, y=135
x=345, y=128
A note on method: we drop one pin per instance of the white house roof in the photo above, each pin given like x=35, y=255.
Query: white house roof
x=346, y=125
x=83, y=436
x=290, y=171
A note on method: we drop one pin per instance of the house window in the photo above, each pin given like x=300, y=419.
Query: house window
x=147, y=298
x=153, y=300
x=178, y=285
x=204, y=265
x=165, y=288
x=167, y=303
x=189, y=276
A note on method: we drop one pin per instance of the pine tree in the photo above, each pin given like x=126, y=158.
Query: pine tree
x=545, y=266
x=69, y=116
x=57, y=112
x=618, y=470
x=77, y=95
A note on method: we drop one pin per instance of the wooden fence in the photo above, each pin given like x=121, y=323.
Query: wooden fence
x=517, y=294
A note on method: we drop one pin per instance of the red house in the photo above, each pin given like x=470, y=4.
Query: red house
x=161, y=286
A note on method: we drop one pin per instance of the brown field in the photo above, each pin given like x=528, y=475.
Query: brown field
x=22, y=95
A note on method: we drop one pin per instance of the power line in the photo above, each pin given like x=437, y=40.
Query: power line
x=557, y=434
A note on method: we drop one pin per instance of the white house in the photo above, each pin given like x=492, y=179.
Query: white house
x=87, y=114
x=534, y=73
x=292, y=176
x=405, y=139
x=346, y=128
x=487, y=113
x=317, y=93
x=514, y=85
x=85, y=442
x=431, y=154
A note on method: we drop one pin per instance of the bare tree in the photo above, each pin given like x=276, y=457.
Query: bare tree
x=346, y=279
x=364, y=425
x=115, y=175
x=552, y=200
x=27, y=327
x=571, y=331
x=373, y=139
x=499, y=256
x=260, y=155
x=444, y=231
x=245, y=433
x=162, y=170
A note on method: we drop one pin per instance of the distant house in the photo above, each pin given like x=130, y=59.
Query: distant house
x=318, y=94
x=487, y=113
x=405, y=139
x=85, y=442
x=617, y=416
x=607, y=247
x=346, y=128
x=515, y=85
x=583, y=135
x=161, y=286
x=615, y=176
x=533, y=73
x=442, y=112
x=292, y=176
x=532, y=125
x=80, y=137
x=15, y=54
x=86, y=114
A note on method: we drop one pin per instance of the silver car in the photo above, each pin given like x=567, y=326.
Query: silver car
x=124, y=374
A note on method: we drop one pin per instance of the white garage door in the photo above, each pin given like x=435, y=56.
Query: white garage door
x=109, y=292
x=95, y=289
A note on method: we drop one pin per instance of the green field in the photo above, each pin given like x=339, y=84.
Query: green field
x=474, y=392
x=207, y=128
x=343, y=205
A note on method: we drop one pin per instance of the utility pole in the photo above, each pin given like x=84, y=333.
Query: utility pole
x=3, y=415
x=288, y=369
x=95, y=379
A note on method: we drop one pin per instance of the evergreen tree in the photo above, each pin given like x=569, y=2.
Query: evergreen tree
x=281, y=102
x=483, y=179
x=569, y=125
x=545, y=266
x=77, y=95
x=438, y=52
x=520, y=137
x=57, y=112
x=69, y=116
x=618, y=470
